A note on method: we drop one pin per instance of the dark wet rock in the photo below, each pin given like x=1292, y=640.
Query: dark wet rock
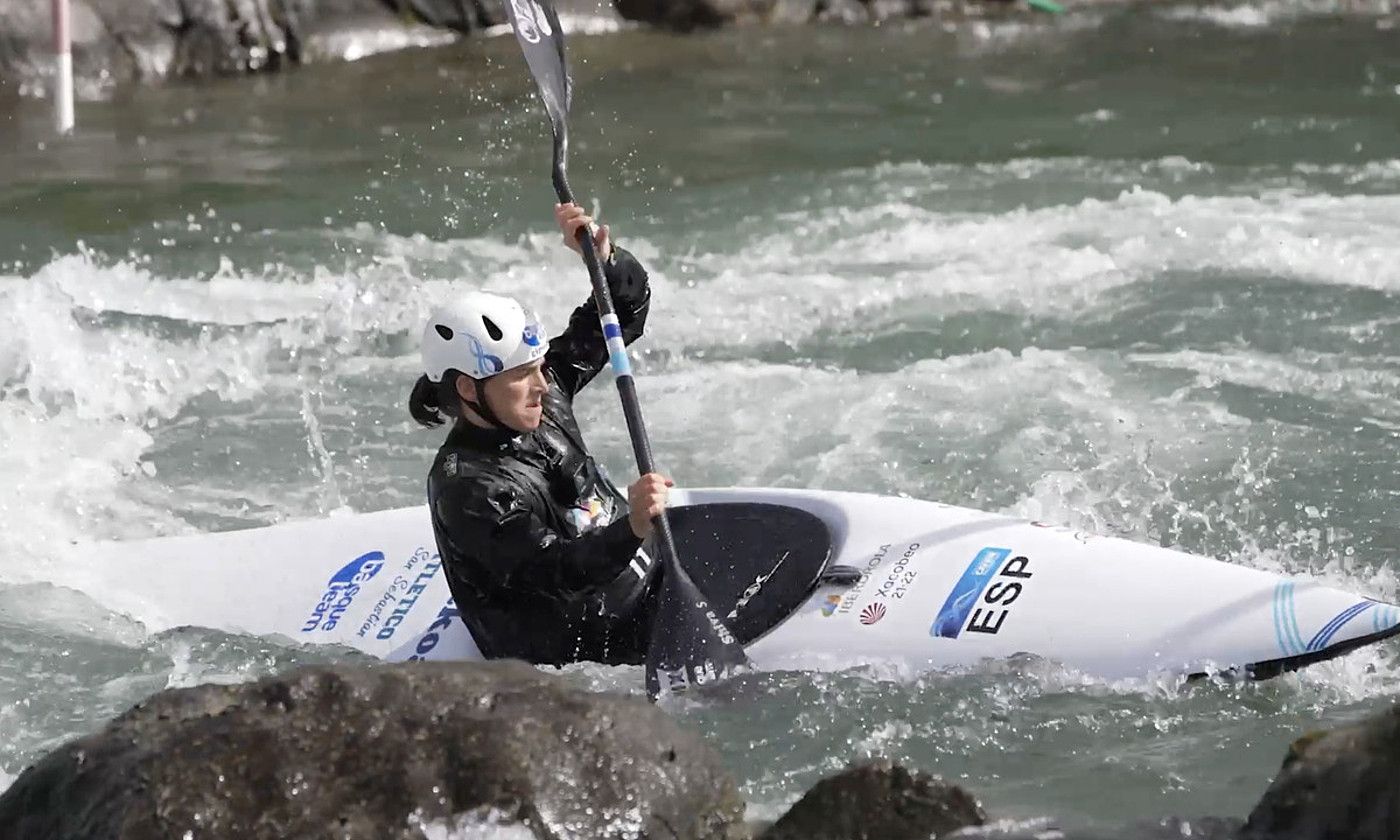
x=379, y=752
x=121, y=40
x=457, y=15
x=694, y=14
x=1339, y=784
x=880, y=800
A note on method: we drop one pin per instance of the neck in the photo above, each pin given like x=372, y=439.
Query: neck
x=475, y=418
x=469, y=414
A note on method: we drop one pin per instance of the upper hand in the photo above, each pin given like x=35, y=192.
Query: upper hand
x=570, y=218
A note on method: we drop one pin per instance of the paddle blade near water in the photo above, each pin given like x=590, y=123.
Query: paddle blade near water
x=690, y=646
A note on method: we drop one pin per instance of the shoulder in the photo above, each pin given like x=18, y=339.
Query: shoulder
x=465, y=484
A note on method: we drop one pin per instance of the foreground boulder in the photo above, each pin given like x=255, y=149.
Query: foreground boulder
x=880, y=801
x=381, y=752
x=1339, y=784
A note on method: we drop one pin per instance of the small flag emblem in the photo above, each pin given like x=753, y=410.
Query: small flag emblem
x=872, y=613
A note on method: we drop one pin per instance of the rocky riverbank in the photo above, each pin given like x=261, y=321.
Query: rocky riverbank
x=117, y=41
x=121, y=41
x=415, y=751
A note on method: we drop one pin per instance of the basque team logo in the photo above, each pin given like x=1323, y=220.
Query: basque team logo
x=872, y=613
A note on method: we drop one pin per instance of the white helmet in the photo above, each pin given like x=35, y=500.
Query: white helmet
x=481, y=335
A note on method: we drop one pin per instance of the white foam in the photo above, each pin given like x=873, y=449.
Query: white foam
x=351, y=44
x=59, y=612
x=78, y=400
x=1339, y=379
x=1383, y=172
x=573, y=25
x=853, y=268
x=1263, y=13
x=94, y=354
x=854, y=265
x=1248, y=16
x=484, y=823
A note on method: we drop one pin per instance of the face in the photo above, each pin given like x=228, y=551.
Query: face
x=516, y=396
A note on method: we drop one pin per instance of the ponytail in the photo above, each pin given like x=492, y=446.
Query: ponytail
x=432, y=403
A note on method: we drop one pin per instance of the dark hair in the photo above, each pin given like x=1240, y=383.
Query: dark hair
x=431, y=403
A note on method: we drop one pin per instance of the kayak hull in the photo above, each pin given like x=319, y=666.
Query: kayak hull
x=940, y=587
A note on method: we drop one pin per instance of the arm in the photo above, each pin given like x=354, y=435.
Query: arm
x=503, y=534
x=580, y=353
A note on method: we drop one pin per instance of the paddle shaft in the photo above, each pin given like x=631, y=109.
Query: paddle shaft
x=617, y=352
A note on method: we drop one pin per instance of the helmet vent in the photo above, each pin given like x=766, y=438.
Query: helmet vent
x=491, y=329
x=445, y=332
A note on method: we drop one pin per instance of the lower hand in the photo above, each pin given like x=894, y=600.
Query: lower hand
x=647, y=499
x=570, y=218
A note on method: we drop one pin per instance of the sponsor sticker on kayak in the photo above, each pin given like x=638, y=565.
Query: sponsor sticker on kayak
x=432, y=635
x=962, y=610
x=890, y=586
x=341, y=590
x=407, y=588
x=901, y=576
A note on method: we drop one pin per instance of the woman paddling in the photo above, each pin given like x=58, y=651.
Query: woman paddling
x=541, y=551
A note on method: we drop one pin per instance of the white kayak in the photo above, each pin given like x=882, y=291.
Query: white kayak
x=938, y=586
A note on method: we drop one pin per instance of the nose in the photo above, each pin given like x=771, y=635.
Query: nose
x=538, y=382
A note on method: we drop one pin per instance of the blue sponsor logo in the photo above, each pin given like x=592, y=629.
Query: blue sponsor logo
x=531, y=335
x=409, y=599
x=953, y=615
x=431, y=636
x=341, y=590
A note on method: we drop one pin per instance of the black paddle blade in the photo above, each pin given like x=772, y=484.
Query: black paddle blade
x=536, y=26
x=689, y=644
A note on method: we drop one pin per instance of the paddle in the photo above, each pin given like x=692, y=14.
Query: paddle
x=689, y=644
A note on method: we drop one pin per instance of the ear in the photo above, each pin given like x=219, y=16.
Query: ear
x=466, y=388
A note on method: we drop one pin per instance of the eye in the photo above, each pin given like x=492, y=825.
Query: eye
x=491, y=328
x=445, y=332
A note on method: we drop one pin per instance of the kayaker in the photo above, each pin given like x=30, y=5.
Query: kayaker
x=539, y=547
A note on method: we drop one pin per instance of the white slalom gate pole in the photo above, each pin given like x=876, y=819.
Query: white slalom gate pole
x=63, y=67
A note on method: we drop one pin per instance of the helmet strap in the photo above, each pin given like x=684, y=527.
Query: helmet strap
x=482, y=406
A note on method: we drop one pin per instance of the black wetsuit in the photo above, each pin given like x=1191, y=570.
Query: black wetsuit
x=534, y=537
